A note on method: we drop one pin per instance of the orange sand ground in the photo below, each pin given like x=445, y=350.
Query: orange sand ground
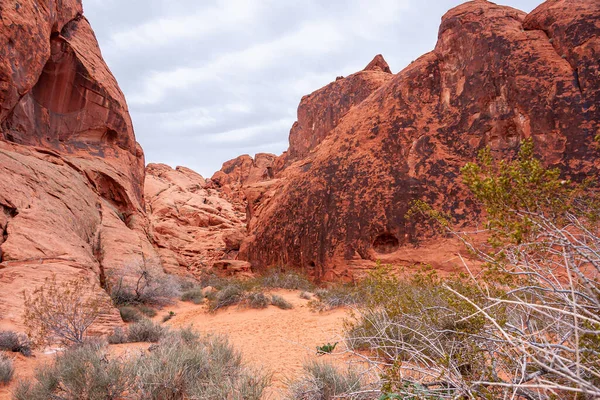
x=279, y=341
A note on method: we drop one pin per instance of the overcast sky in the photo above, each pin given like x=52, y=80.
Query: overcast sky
x=209, y=80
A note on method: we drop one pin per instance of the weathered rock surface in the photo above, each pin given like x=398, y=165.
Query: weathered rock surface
x=321, y=111
x=495, y=77
x=193, y=226
x=71, y=172
x=378, y=64
x=240, y=172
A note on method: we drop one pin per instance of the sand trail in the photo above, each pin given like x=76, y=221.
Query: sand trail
x=277, y=341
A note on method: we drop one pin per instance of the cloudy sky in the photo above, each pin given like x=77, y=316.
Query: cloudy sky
x=209, y=80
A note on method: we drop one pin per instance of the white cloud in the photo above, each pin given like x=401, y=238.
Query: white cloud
x=209, y=80
x=203, y=21
x=247, y=133
x=310, y=39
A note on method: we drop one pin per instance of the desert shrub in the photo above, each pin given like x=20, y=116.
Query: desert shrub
x=227, y=296
x=119, y=336
x=147, y=311
x=305, y=296
x=285, y=280
x=198, y=369
x=326, y=348
x=257, y=300
x=168, y=316
x=186, y=284
x=527, y=325
x=145, y=331
x=212, y=280
x=7, y=370
x=194, y=295
x=187, y=334
x=280, y=302
x=15, y=342
x=340, y=295
x=61, y=312
x=322, y=381
x=416, y=321
x=182, y=365
x=81, y=372
x=211, y=296
x=143, y=285
x=129, y=314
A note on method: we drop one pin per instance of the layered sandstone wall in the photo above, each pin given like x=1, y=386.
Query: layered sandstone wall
x=71, y=171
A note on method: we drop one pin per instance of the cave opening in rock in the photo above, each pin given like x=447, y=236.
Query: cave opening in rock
x=386, y=243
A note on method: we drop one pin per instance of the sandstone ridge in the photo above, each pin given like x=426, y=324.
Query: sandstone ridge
x=366, y=145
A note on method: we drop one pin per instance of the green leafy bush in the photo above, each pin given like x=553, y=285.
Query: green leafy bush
x=326, y=348
x=524, y=320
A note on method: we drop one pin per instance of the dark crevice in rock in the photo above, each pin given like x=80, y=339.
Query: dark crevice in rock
x=576, y=81
x=66, y=29
x=114, y=193
x=386, y=243
x=9, y=212
x=98, y=252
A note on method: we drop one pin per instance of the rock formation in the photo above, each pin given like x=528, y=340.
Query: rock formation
x=240, y=172
x=71, y=172
x=72, y=196
x=367, y=145
x=193, y=226
x=321, y=111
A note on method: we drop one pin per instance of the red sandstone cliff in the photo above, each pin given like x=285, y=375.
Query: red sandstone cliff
x=71, y=171
x=194, y=228
x=495, y=77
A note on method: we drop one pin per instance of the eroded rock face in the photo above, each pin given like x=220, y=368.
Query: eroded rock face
x=193, y=226
x=321, y=111
x=495, y=77
x=378, y=64
x=71, y=172
x=25, y=45
x=240, y=172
